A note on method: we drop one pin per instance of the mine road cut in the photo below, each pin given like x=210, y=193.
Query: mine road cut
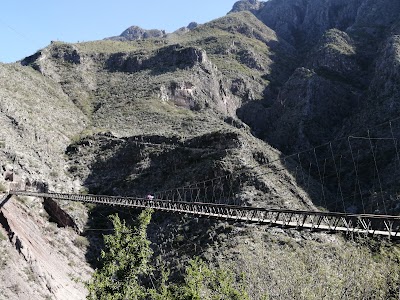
x=369, y=224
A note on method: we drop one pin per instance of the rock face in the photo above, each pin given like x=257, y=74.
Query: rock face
x=345, y=79
x=174, y=56
x=192, y=25
x=342, y=48
x=38, y=120
x=247, y=5
x=183, y=30
x=304, y=21
x=39, y=260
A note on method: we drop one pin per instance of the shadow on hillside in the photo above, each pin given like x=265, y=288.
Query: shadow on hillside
x=256, y=112
x=356, y=174
x=292, y=121
x=174, y=238
x=141, y=168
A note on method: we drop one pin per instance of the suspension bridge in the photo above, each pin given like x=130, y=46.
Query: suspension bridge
x=356, y=176
x=384, y=225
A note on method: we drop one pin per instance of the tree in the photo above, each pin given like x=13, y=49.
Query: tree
x=125, y=261
x=201, y=282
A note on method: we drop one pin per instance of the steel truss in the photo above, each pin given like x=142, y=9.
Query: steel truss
x=384, y=225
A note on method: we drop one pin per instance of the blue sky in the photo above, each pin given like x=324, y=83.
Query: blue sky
x=27, y=26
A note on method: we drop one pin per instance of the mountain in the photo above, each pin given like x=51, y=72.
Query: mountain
x=243, y=98
x=342, y=50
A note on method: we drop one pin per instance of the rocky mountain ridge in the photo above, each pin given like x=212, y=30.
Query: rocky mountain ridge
x=134, y=33
x=339, y=41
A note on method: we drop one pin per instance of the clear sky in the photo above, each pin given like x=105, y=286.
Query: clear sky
x=29, y=25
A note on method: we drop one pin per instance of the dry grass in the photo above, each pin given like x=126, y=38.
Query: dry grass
x=283, y=267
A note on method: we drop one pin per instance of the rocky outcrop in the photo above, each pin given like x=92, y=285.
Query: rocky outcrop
x=385, y=86
x=247, y=5
x=192, y=25
x=303, y=21
x=169, y=57
x=59, y=51
x=183, y=30
x=335, y=53
x=136, y=33
x=343, y=52
x=58, y=215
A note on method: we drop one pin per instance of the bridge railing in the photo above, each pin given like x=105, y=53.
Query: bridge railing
x=385, y=225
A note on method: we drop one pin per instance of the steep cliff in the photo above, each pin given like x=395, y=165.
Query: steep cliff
x=344, y=48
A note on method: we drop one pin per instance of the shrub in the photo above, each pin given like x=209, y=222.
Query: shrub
x=3, y=188
x=81, y=242
x=126, y=269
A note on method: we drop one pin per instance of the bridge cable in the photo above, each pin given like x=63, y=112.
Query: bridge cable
x=329, y=144
x=309, y=176
x=217, y=182
x=323, y=175
x=395, y=143
x=356, y=173
x=338, y=177
x=302, y=169
x=377, y=173
x=199, y=190
x=320, y=178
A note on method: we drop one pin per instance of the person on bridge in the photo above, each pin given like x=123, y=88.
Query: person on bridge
x=149, y=197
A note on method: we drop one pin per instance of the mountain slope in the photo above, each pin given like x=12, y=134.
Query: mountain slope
x=38, y=121
x=344, y=48
x=132, y=117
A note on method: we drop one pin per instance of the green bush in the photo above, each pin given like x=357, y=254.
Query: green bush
x=125, y=259
x=126, y=266
x=201, y=282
